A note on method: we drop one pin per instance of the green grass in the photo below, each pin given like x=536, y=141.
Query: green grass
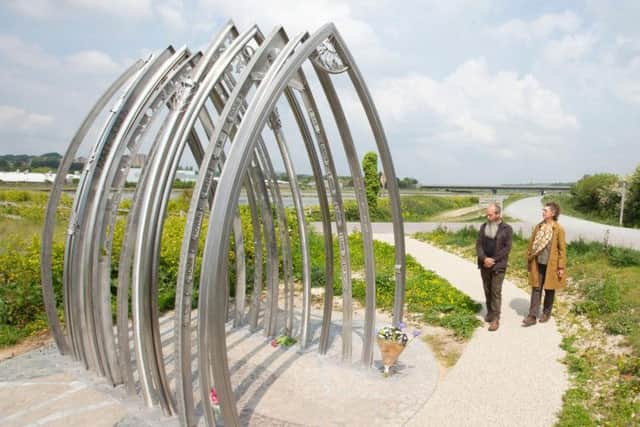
x=22, y=309
x=426, y=294
x=415, y=208
x=601, y=303
x=10, y=335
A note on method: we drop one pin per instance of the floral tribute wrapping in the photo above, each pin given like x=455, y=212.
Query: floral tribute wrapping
x=392, y=341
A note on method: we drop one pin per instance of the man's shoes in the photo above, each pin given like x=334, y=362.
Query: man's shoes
x=494, y=325
x=529, y=320
x=545, y=317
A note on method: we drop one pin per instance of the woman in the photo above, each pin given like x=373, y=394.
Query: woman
x=547, y=259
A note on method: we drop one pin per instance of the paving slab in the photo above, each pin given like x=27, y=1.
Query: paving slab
x=281, y=386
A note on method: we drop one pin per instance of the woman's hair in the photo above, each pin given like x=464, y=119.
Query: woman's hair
x=555, y=208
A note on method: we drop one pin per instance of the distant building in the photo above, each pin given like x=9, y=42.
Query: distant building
x=34, y=177
x=187, y=175
x=182, y=175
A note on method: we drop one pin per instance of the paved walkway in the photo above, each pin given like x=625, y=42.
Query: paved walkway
x=511, y=377
x=529, y=211
x=506, y=378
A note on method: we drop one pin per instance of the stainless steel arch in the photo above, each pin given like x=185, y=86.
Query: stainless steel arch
x=52, y=205
x=243, y=76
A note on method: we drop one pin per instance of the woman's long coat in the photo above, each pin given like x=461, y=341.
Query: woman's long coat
x=557, y=259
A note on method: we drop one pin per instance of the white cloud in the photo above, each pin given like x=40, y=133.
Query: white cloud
x=539, y=28
x=17, y=52
x=569, y=48
x=38, y=9
x=123, y=8
x=627, y=82
x=296, y=16
x=474, y=105
x=48, y=9
x=172, y=16
x=14, y=118
x=92, y=62
x=25, y=55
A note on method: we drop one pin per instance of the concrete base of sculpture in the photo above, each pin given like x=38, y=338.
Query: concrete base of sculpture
x=274, y=386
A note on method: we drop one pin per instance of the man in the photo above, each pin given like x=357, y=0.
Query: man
x=492, y=247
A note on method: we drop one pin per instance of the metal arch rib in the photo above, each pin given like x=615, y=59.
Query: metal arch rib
x=226, y=56
x=387, y=164
x=287, y=263
x=326, y=217
x=217, y=244
x=341, y=226
x=302, y=231
x=75, y=282
x=98, y=219
x=148, y=345
x=129, y=138
x=203, y=187
x=228, y=189
x=365, y=222
x=124, y=280
x=263, y=173
x=52, y=205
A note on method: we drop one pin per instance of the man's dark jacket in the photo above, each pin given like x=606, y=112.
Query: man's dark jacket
x=503, y=246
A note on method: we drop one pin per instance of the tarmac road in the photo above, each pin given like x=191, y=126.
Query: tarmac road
x=529, y=211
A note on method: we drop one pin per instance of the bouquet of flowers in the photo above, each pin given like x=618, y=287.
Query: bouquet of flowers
x=392, y=341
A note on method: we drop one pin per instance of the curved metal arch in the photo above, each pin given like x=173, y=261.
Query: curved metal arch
x=363, y=208
x=272, y=87
x=274, y=67
x=159, y=92
x=340, y=219
x=389, y=170
x=97, y=216
x=54, y=199
x=155, y=205
x=211, y=161
x=326, y=220
x=74, y=280
x=211, y=288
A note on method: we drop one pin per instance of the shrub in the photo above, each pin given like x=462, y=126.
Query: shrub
x=20, y=286
x=597, y=194
x=623, y=257
x=371, y=180
x=632, y=205
x=463, y=324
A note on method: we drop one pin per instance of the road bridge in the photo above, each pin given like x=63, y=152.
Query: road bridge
x=540, y=188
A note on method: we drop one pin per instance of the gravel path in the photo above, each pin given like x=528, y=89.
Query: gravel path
x=511, y=377
x=529, y=211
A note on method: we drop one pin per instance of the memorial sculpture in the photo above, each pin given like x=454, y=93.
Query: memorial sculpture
x=217, y=103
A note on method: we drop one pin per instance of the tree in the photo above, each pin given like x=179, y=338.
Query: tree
x=632, y=205
x=597, y=194
x=371, y=181
x=407, y=182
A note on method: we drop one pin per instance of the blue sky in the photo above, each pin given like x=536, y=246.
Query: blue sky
x=469, y=90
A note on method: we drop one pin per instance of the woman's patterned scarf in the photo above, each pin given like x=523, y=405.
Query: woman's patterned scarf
x=542, y=239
